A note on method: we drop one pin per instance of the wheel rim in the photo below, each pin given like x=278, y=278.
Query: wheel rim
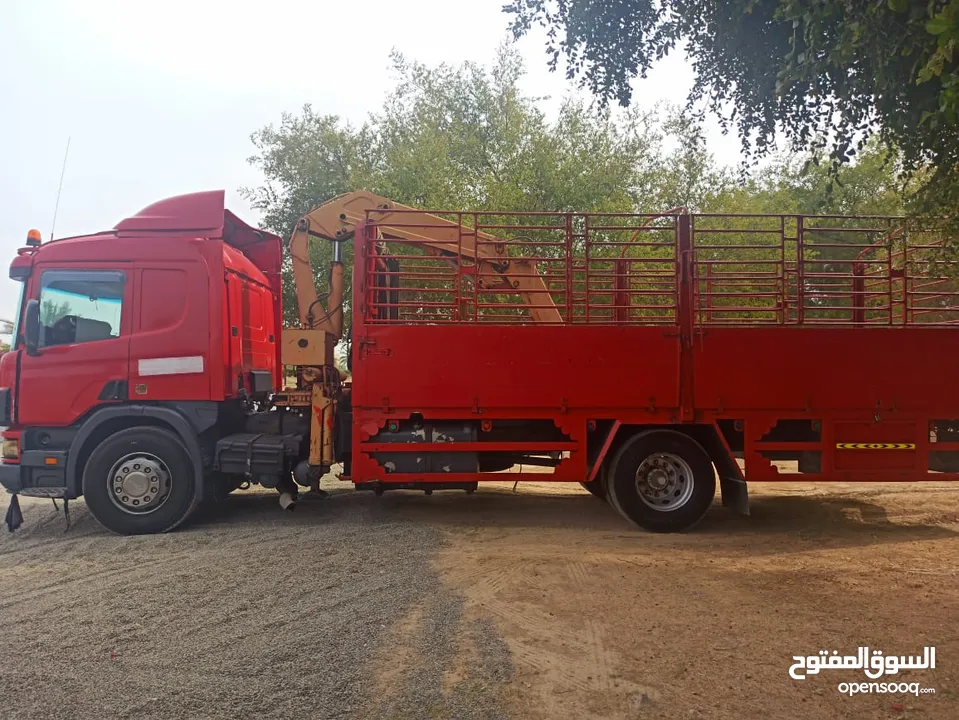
x=664, y=482
x=139, y=483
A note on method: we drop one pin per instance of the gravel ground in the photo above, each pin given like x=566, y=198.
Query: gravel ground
x=605, y=622
x=546, y=605
x=250, y=612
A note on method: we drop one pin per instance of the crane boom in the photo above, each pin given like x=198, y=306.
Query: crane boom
x=336, y=220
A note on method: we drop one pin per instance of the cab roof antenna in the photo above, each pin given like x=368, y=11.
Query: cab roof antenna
x=63, y=171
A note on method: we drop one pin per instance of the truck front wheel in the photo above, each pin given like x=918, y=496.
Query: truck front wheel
x=139, y=481
x=662, y=481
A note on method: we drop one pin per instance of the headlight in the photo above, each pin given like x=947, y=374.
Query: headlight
x=11, y=449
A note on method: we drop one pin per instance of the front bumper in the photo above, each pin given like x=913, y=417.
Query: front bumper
x=10, y=478
x=39, y=474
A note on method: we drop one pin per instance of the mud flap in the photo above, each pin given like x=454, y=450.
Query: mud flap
x=735, y=495
x=14, y=517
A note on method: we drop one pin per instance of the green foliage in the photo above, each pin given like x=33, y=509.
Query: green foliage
x=827, y=74
x=466, y=138
x=795, y=184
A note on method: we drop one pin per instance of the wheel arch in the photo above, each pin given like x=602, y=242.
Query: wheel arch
x=732, y=482
x=107, y=421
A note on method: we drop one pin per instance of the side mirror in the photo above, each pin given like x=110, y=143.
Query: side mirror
x=31, y=327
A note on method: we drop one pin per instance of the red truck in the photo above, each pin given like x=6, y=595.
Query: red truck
x=644, y=356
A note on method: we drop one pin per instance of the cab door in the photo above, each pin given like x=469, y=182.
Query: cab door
x=83, y=354
x=170, y=356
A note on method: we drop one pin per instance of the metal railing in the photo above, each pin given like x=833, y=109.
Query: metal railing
x=629, y=269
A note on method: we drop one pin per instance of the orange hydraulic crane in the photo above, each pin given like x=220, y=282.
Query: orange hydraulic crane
x=336, y=220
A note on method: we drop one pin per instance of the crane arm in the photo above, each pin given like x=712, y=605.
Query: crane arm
x=337, y=219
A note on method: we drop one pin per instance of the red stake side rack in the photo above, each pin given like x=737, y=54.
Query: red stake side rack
x=814, y=348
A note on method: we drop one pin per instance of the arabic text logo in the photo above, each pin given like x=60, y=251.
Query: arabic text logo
x=875, y=666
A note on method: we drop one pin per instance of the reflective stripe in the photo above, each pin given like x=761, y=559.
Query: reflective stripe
x=170, y=366
x=875, y=446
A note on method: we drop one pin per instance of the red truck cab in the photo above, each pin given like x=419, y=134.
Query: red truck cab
x=171, y=320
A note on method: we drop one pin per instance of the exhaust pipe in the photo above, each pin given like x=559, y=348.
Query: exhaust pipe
x=287, y=501
x=287, y=490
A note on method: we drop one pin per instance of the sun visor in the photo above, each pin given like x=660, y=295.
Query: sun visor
x=200, y=212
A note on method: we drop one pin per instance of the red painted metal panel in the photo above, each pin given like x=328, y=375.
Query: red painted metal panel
x=506, y=370
x=177, y=326
x=818, y=369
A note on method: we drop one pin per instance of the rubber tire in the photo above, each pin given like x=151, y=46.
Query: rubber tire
x=166, y=446
x=598, y=488
x=622, y=481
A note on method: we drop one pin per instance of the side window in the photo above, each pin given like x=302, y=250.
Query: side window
x=80, y=306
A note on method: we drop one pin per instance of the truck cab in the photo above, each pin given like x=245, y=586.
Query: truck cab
x=169, y=323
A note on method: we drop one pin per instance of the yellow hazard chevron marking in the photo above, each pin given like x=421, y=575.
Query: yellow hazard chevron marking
x=875, y=446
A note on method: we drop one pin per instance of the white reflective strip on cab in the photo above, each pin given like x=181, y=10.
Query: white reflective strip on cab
x=170, y=366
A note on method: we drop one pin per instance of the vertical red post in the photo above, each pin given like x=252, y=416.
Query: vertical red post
x=362, y=268
x=684, y=302
x=570, y=277
x=708, y=315
x=621, y=290
x=889, y=279
x=783, y=300
x=459, y=302
x=586, y=254
x=800, y=271
x=859, y=293
x=476, y=267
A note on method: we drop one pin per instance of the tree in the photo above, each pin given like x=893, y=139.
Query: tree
x=791, y=185
x=309, y=159
x=872, y=184
x=467, y=138
x=827, y=74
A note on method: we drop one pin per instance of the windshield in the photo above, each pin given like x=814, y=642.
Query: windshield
x=15, y=336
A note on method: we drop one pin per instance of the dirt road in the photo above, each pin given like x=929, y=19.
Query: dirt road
x=537, y=604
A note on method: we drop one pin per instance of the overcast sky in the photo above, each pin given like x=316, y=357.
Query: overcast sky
x=160, y=99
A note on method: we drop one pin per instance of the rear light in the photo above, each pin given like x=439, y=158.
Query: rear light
x=11, y=448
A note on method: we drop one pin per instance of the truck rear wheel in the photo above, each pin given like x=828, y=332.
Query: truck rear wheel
x=662, y=481
x=139, y=481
